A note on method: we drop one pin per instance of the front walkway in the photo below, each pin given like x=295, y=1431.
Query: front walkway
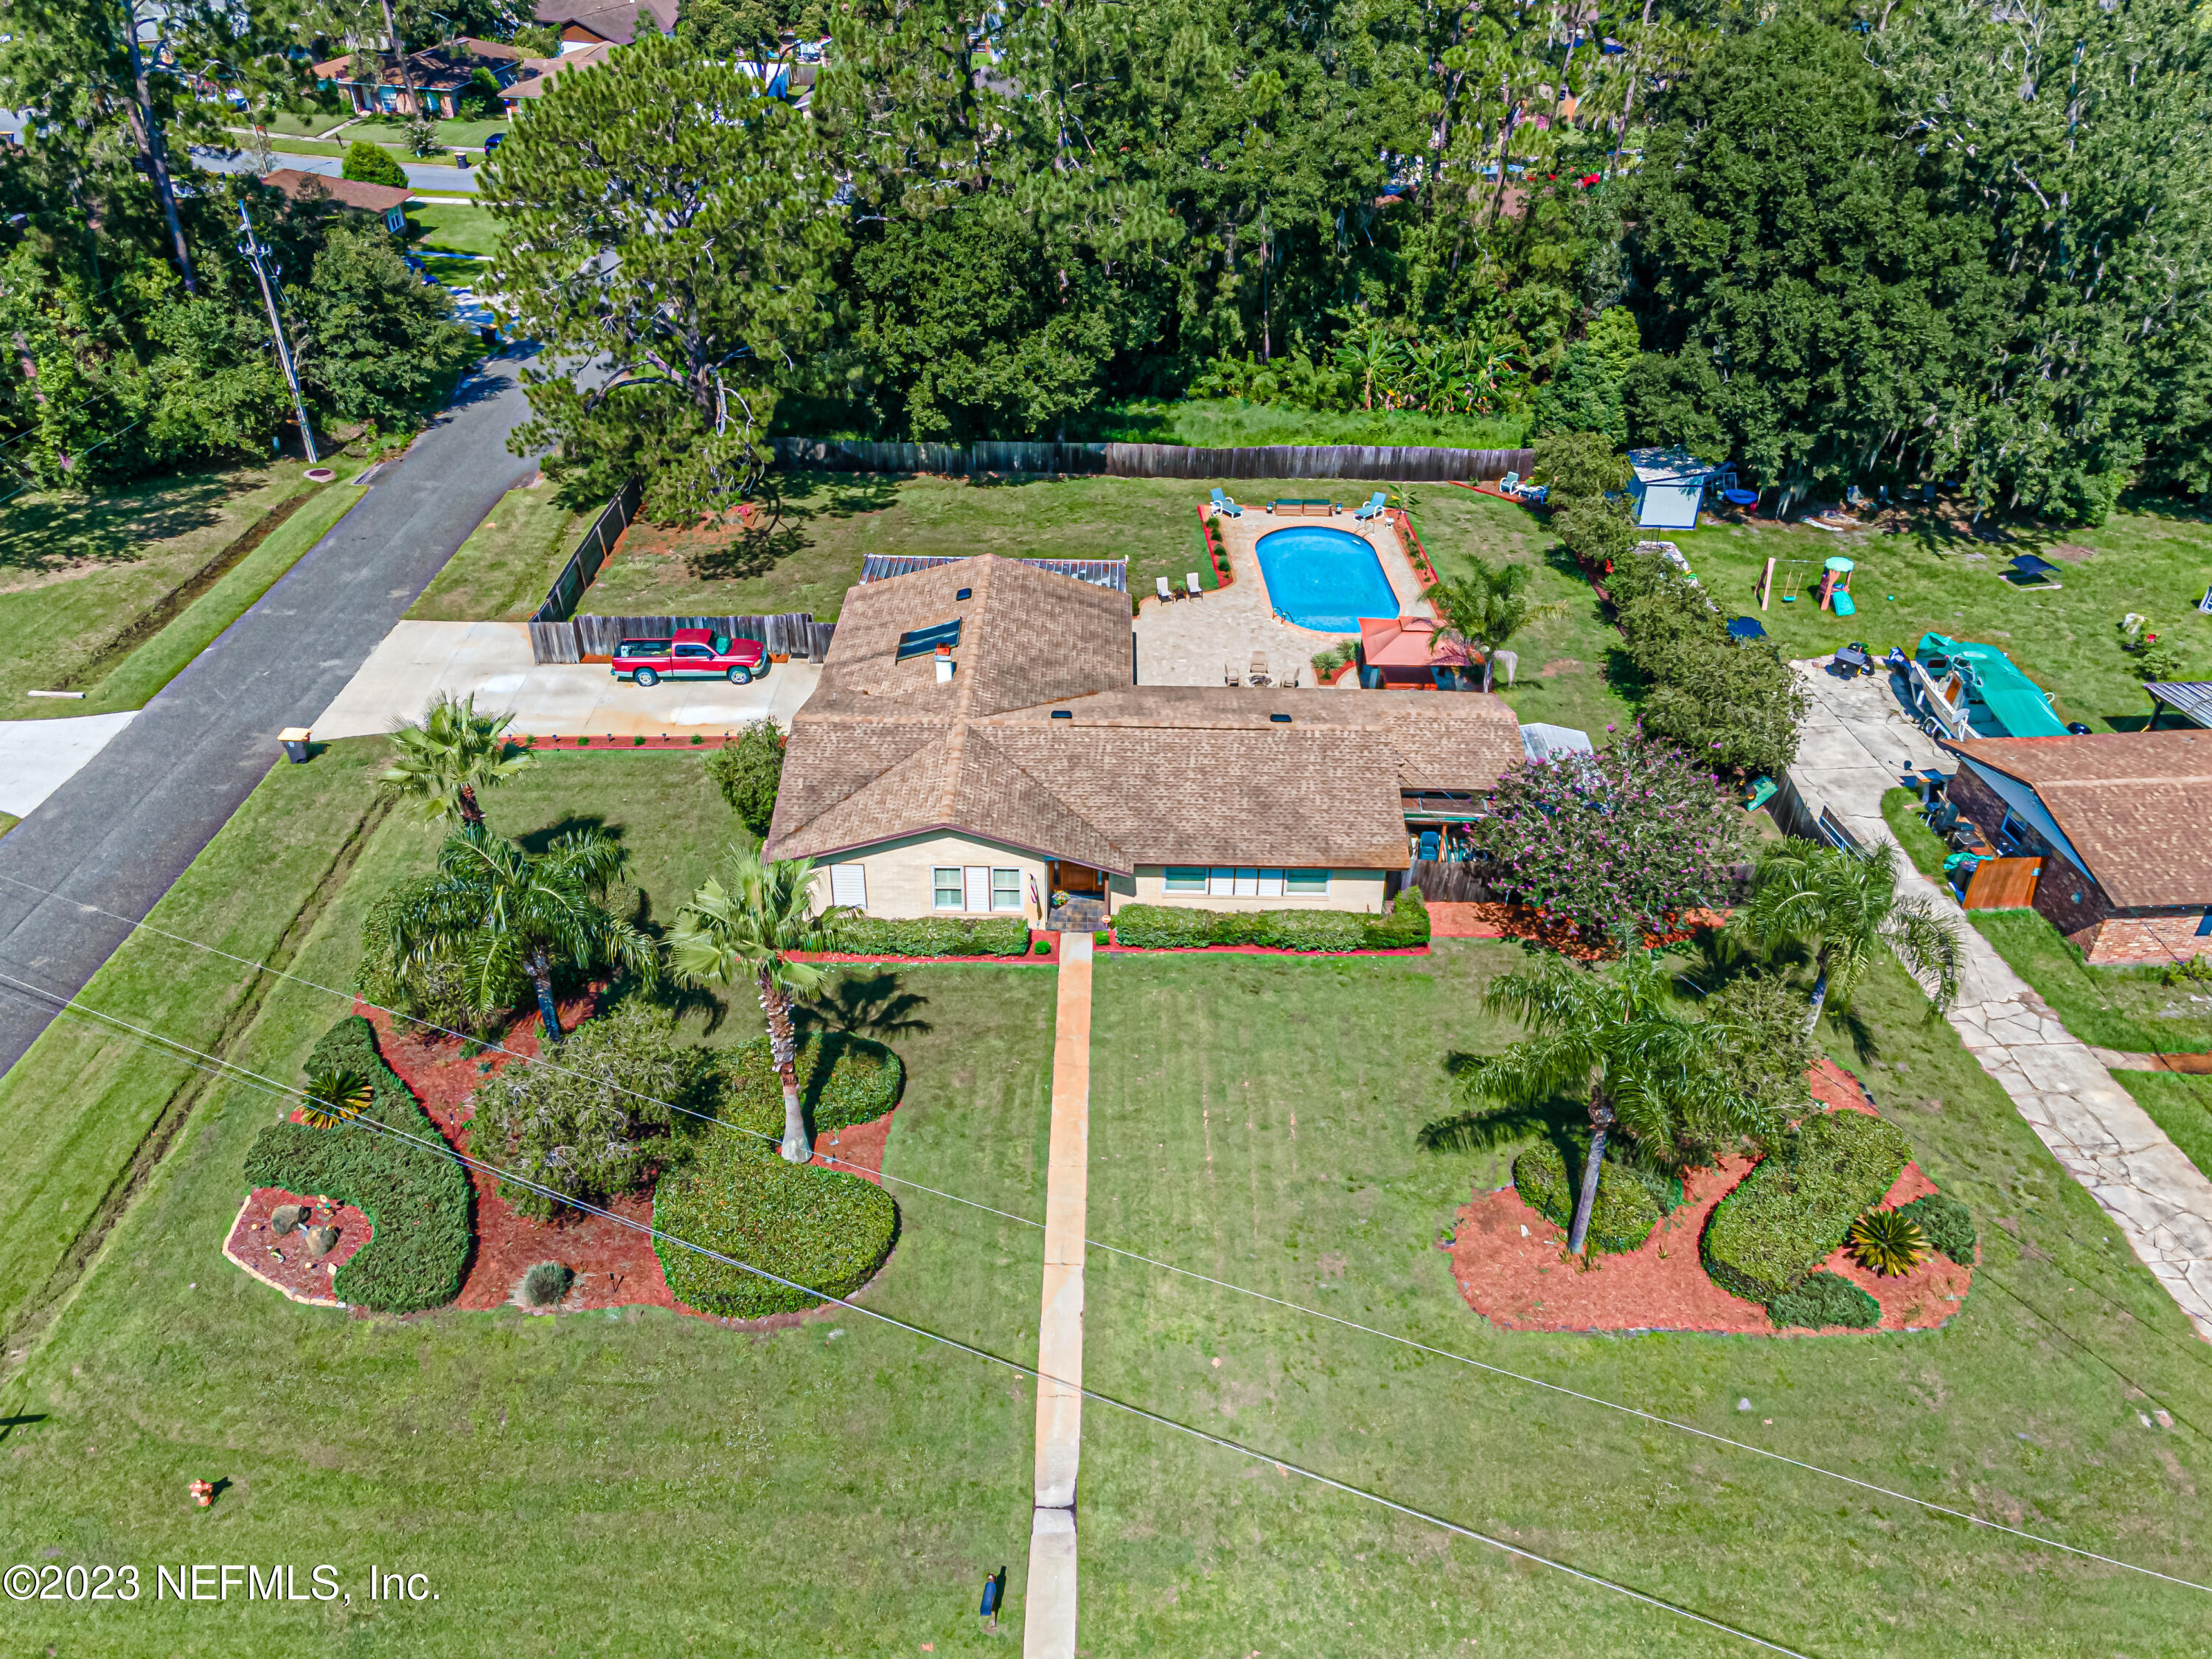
x=1191, y=641
x=419, y=659
x=1048, y=1616
x=1855, y=743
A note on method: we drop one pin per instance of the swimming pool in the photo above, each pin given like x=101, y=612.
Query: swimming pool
x=1324, y=579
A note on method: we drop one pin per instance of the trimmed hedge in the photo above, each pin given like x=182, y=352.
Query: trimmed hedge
x=936, y=936
x=1824, y=1298
x=1622, y=1215
x=1789, y=1214
x=1167, y=926
x=821, y=1228
x=418, y=1201
x=843, y=1080
x=1948, y=1223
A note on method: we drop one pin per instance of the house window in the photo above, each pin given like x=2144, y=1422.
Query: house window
x=2013, y=835
x=976, y=878
x=1006, y=890
x=945, y=889
x=1297, y=881
x=848, y=884
x=1185, y=879
x=1271, y=883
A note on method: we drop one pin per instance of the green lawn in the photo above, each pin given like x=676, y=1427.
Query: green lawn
x=2067, y=642
x=285, y=144
x=2124, y=1008
x=444, y=226
x=1255, y=1120
x=1571, y=657
x=2182, y=1106
x=452, y=135
x=1901, y=811
x=82, y=578
x=831, y=522
x=500, y=574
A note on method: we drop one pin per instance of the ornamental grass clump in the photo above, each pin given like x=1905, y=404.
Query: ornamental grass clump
x=1632, y=837
x=547, y=1285
x=1888, y=1243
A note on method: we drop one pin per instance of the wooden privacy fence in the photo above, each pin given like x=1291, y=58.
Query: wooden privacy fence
x=795, y=634
x=584, y=563
x=1377, y=463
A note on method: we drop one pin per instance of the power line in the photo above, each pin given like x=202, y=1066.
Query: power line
x=232, y=1071
x=1712, y=1436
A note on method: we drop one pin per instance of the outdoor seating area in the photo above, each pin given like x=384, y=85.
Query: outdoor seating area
x=1306, y=506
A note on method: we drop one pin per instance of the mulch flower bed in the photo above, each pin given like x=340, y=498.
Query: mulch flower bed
x=615, y=1266
x=615, y=741
x=287, y=1263
x=1513, y=1267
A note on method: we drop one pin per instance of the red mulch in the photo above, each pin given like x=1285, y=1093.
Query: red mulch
x=1495, y=919
x=285, y=1263
x=618, y=743
x=615, y=1266
x=1251, y=951
x=1513, y=1267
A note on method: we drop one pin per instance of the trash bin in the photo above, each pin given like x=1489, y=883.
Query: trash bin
x=295, y=739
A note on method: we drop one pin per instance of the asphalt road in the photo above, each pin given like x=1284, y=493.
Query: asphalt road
x=446, y=181
x=120, y=832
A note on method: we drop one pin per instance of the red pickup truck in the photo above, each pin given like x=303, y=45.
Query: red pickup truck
x=694, y=653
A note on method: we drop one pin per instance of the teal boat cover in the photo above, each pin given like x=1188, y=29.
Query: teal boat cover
x=2014, y=701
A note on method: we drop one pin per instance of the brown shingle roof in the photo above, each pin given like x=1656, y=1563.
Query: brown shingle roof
x=348, y=193
x=1137, y=775
x=2137, y=804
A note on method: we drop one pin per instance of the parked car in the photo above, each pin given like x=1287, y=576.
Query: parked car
x=694, y=653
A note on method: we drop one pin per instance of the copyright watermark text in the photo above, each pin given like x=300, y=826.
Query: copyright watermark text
x=205, y=1581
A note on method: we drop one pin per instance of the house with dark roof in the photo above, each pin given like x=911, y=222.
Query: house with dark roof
x=2121, y=822
x=978, y=741
x=439, y=75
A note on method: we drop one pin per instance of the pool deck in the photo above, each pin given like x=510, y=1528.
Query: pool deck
x=1188, y=641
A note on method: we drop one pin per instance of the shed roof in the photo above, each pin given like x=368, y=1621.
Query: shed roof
x=1674, y=466
x=2134, y=805
x=1040, y=741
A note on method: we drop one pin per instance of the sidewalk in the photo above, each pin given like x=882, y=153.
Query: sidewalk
x=1856, y=744
x=418, y=660
x=1049, y=1617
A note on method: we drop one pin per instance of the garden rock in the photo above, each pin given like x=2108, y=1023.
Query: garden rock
x=287, y=1217
x=321, y=1241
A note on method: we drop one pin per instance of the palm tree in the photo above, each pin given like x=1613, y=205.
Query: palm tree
x=1846, y=905
x=453, y=752
x=335, y=1094
x=506, y=914
x=748, y=930
x=1616, y=1039
x=1488, y=607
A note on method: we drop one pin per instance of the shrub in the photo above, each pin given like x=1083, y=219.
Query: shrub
x=1168, y=927
x=545, y=1285
x=820, y=1228
x=1823, y=1299
x=417, y=1198
x=1948, y=1223
x=1622, y=1213
x=440, y=994
x=1732, y=701
x=1767, y=1053
x=589, y=1129
x=1885, y=1242
x=1789, y=1214
x=373, y=164
x=1636, y=835
x=1044, y=947
x=749, y=772
x=843, y=1080
x=936, y=936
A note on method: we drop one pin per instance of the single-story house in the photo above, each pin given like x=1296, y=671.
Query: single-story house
x=534, y=77
x=389, y=202
x=441, y=74
x=978, y=743
x=2123, y=823
x=605, y=22
x=1668, y=485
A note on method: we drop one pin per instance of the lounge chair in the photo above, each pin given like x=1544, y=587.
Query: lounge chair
x=1223, y=504
x=1190, y=584
x=1374, y=507
x=1509, y=484
x=1229, y=675
x=1291, y=680
x=1431, y=843
x=1160, y=583
x=1257, y=674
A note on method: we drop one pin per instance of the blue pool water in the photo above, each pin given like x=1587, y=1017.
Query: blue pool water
x=1324, y=579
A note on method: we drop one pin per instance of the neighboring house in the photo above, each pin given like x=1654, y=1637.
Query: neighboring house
x=389, y=202
x=2123, y=823
x=1668, y=485
x=534, y=77
x=605, y=22
x=1022, y=760
x=440, y=74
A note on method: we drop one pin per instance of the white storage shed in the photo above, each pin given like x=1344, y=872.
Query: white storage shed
x=1667, y=488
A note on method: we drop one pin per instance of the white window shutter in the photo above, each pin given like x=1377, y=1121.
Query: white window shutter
x=848, y=884
x=979, y=887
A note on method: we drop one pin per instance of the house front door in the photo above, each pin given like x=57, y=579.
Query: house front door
x=1075, y=879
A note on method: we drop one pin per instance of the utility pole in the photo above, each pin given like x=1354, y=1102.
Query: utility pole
x=256, y=253
x=149, y=133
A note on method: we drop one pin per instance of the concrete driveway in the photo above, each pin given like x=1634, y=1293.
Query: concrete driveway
x=38, y=757
x=418, y=660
